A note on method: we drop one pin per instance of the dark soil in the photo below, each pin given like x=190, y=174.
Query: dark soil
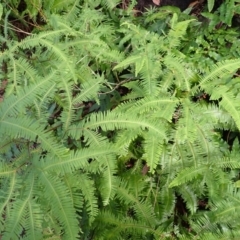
x=182, y=4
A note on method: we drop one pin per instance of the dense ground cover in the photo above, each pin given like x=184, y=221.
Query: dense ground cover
x=118, y=122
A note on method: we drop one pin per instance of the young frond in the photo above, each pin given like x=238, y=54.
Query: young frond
x=177, y=32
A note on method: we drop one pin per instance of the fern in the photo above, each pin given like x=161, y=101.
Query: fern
x=107, y=127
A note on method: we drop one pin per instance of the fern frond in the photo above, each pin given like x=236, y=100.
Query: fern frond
x=177, y=32
x=20, y=211
x=153, y=150
x=67, y=115
x=112, y=121
x=6, y=170
x=232, y=106
x=111, y=3
x=149, y=74
x=167, y=202
x=157, y=107
x=91, y=138
x=34, y=220
x=124, y=139
x=143, y=210
x=231, y=163
x=86, y=185
x=15, y=104
x=41, y=106
x=62, y=207
x=77, y=160
x=128, y=61
x=7, y=193
x=73, y=10
x=124, y=226
x=223, y=69
x=89, y=89
x=109, y=181
x=188, y=174
x=180, y=72
x=190, y=198
x=25, y=127
x=57, y=50
x=17, y=217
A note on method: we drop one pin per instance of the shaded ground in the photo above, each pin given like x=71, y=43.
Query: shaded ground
x=183, y=4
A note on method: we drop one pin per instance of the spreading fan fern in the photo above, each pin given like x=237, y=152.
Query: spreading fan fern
x=108, y=131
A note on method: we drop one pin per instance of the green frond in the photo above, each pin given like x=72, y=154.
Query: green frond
x=27, y=71
x=130, y=60
x=112, y=121
x=177, y=32
x=91, y=137
x=223, y=69
x=20, y=213
x=7, y=193
x=142, y=210
x=72, y=12
x=16, y=104
x=186, y=130
x=153, y=151
x=228, y=208
x=167, y=202
x=111, y=3
x=62, y=208
x=72, y=183
x=157, y=107
x=108, y=182
x=232, y=106
x=47, y=40
x=126, y=136
x=136, y=91
x=14, y=74
x=190, y=198
x=149, y=74
x=66, y=101
x=86, y=185
x=34, y=221
x=231, y=163
x=149, y=159
x=5, y=169
x=77, y=160
x=188, y=174
x=27, y=128
x=89, y=89
x=17, y=217
x=41, y=106
x=179, y=72
x=121, y=225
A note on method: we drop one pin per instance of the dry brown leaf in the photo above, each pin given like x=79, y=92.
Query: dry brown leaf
x=157, y=2
x=145, y=169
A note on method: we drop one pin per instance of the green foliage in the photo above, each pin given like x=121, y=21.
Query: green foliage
x=112, y=128
x=224, y=14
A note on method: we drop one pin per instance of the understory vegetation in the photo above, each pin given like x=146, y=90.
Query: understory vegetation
x=119, y=124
